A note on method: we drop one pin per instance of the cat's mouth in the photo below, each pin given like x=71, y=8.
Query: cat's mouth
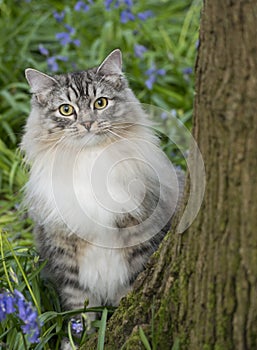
x=97, y=127
x=98, y=131
x=91, y=127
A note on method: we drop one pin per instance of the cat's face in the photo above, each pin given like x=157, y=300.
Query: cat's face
x=85, y=108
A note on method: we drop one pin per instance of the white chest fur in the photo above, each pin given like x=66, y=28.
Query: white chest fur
x=85, y=191
x=88, y=191
x=104, y=272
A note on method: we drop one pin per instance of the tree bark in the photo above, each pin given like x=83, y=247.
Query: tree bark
x=200, y=289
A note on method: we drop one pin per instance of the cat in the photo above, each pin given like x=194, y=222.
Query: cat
x=101, y=191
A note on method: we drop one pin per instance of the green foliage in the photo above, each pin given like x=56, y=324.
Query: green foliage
x=144, y=339
x=170, y=37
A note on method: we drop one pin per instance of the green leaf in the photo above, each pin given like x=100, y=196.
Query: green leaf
x=102, y=329
x=144, y=339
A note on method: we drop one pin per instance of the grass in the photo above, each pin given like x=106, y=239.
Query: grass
x=170, y=37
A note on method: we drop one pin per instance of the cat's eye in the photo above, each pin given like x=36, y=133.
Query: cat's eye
x=66, y=110
x=101, y=103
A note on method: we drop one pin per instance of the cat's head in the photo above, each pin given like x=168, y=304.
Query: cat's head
x=85, y=108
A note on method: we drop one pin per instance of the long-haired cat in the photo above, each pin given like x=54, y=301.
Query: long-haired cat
x=100, y=191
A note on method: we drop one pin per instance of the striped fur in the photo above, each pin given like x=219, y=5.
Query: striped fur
x=95, y=244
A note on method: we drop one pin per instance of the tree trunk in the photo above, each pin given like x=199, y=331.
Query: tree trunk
x=200, y=289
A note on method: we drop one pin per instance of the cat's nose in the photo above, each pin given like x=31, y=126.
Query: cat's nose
x=88, y=125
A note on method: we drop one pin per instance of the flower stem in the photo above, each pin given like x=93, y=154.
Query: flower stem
x=4, y=264
x=24, y=276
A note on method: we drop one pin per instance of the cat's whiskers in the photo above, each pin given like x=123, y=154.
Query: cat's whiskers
x=49, y=150
x=48, y=138
x=117, y=135
x=125, y=132
x=125, y=125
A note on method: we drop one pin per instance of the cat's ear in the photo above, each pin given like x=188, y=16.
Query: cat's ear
x=112, y=64
x=39, y=82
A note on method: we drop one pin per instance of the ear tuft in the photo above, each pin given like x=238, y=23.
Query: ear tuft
x=38, y=81
x=112, y=64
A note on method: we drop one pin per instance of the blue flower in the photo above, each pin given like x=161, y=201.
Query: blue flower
x=126, y=15
x=52, y=62
x=76, y=326
x=161, y=71
x=15, y=303
x=43, y=50
x=59, y=16
x=76, y=42
x=129, y=3
x=81, y=5
x=107, y=4
x=151, y=70
x=173, y=113
x=118, y=3
x=64, y=38
x=187, y=71
x=70, y=29
x=144, y=15
x=164, y=116
x=62, y=58
x=152, y=74
x=150, y=81
x=139, y=50
x=6, y=305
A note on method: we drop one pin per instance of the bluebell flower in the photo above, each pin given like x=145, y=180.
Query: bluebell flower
x=118, y=3
x=9, y=304
x=107, y=4
x=151, y=70
x=160, y=71
x=6, y=305
x=164, y=116
x=129, y=3
x=70, y=29
x=63, y=37
x=15, y=303
x=152, y=74
x=150, y=81
x=139, y=50
x=173, y=113
x=76, y=326
x=82, y=6
x=52, y=62
x=62, y=58
x=59, y=16
x=76, y=42
x=126, y=16
x=144, y=15
x=187, y=71
x=43, y=50
x=66, y=37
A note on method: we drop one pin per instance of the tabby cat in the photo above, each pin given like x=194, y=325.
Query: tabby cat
x=101, y=192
